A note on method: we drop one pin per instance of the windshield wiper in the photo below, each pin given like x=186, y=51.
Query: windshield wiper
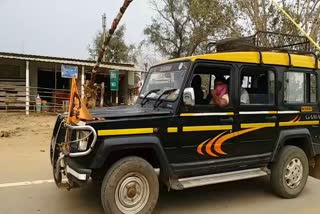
x=166, y=92
x=145, y=100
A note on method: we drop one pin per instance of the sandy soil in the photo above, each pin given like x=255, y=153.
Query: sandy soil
x=18, y=124
x=24, y=156
x=27, y=144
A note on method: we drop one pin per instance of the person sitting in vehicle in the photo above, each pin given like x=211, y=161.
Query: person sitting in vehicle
x=220, y=93
x=244, y=96
x=196, y=85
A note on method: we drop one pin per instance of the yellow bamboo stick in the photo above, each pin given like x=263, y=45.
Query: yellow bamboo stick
x=296, y=24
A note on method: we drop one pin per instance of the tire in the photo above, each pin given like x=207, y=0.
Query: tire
x=130, y=180
x=290, y=173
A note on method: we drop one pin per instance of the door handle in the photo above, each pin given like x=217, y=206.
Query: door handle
x=227, y=120
x=271, y=118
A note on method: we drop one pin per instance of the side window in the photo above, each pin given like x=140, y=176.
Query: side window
x=313, y=88
x=294, y=87
x=257, y=86
x=300, y=87
x=211, y=85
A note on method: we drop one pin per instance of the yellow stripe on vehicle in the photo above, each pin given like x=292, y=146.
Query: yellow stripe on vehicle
x=207, y=114
x=205, y=128
x=272, y=112
x=257, y=125
x=112, y=132
x=172, y=130
x=267, y=112
x=241, y=113
x=299, y=123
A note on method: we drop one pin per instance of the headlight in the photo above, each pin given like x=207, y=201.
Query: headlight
x=82, y=137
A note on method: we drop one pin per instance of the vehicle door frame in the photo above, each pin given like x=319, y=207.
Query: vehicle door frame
x=268, y=113
x=214, y=165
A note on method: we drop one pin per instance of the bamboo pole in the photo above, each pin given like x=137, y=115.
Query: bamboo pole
x=90, y=87
x=296, y=24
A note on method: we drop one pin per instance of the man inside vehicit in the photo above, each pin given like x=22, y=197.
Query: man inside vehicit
x=219, y=95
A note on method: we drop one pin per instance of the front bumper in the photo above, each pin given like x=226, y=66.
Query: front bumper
x=64, y=164
x=76, y=174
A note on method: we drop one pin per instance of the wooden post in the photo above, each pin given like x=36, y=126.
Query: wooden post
x=117, y=97
x=102, y=95
x=82, y=82
x=55, y=88
x=27, y=88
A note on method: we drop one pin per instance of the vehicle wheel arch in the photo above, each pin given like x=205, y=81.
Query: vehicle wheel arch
x=146, y=147
x=295, y=137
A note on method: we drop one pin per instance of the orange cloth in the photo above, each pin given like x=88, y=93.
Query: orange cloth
x=77, y=109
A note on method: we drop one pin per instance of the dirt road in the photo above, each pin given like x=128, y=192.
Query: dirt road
x=25, y=185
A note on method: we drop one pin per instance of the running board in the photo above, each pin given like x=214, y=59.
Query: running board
x=222, y=177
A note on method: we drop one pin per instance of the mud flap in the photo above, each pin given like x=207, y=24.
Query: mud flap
x=315, y=168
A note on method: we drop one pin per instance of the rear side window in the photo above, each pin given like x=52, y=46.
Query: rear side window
x=300, y=87
x=313, y=88
x=257, y=86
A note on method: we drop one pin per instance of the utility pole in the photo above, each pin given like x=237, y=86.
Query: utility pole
x=104, y=25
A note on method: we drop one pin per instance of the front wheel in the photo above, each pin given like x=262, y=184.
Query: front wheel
x=290, y=173
x=130, y=186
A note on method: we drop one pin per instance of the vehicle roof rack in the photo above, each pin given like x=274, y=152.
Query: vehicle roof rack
x=267, y=41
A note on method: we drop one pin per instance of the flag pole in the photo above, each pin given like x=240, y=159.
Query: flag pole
x=296, y=24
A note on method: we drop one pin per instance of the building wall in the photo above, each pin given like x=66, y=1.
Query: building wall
x=20, y=75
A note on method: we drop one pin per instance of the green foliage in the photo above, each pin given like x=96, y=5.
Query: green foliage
x=184, y=27
x=117, y=51
x=263, y=15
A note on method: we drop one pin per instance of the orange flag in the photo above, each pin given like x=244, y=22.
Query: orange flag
x=77, y=109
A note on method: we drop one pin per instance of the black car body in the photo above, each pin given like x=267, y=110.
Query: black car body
x=186, y=140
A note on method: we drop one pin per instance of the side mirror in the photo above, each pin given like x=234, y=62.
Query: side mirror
x=188, y=97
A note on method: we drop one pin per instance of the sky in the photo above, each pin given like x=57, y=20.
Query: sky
x=65, y=28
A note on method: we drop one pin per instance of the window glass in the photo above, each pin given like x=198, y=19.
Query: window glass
x=165, y=77
x=313, y=88
x=294, y=87
x=257, y=86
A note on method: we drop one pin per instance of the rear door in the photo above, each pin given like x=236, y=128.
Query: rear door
x=257, y=119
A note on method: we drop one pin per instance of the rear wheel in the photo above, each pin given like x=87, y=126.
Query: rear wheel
x=290, y=173
x=130, y=186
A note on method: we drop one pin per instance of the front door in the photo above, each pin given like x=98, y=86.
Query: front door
x=205, y=129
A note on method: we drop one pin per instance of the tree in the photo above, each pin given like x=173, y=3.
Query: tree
x=184, y=27
x=117, y=52
x=263, y=15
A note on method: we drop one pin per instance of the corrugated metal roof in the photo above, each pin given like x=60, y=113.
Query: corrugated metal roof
x=80, y=62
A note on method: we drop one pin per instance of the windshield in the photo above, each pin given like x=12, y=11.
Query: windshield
x=165, y=77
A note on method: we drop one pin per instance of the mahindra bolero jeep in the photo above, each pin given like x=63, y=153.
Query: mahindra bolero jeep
x=199, y=120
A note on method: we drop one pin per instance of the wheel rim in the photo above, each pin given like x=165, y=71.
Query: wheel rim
x=294, y=173
x=132, y=193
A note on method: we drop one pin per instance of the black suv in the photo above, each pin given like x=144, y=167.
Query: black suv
x=178, y=136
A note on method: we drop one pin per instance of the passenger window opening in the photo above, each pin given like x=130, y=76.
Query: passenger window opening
x=300, y=87
x=211, y=85
x=312, y=80
x=257, y=86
